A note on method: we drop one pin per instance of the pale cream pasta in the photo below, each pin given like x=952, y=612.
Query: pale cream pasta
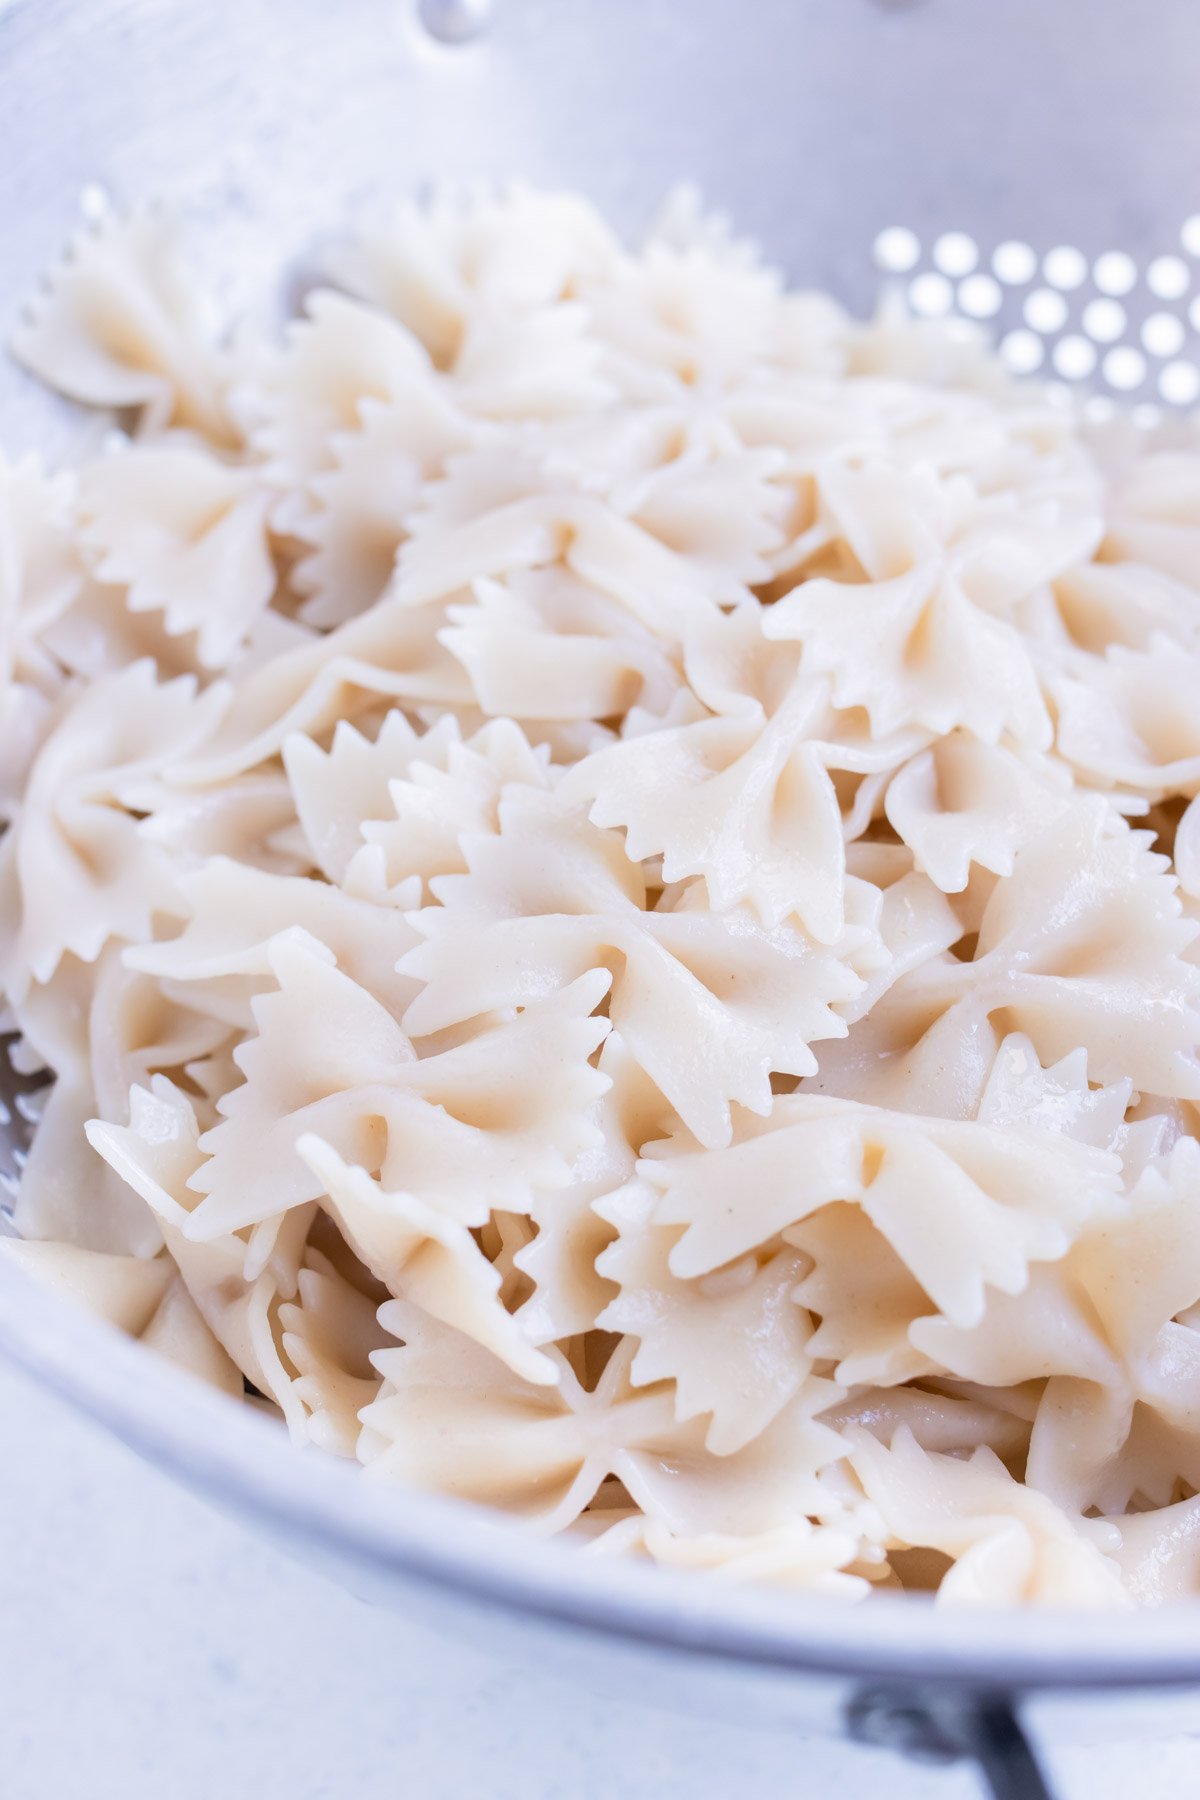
x=603, y=867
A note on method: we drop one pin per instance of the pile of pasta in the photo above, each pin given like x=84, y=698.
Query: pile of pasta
x=604, y=863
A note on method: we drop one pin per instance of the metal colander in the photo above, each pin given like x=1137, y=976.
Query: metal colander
x=1033, y=165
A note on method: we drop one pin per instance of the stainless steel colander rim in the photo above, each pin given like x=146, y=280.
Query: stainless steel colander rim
x=235, y=1456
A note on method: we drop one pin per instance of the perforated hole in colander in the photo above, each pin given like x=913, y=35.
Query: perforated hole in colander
x=1105, y=324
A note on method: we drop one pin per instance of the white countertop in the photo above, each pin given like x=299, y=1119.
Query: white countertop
x=150, y=1648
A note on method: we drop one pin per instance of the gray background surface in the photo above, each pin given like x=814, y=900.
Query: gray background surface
x=149, y=1648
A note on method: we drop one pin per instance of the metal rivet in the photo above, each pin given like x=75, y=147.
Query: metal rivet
x=454, y=21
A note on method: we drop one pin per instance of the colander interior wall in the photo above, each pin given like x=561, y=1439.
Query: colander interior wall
x=817, y=124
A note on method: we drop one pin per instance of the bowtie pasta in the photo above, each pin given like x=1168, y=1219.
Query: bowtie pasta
x=603, y=866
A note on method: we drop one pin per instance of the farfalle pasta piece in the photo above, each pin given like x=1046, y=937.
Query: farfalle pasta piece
x=136, y=1029
x=354, y=515
x=719, y=505
x=966, y=1207
x=543, y=645
x=471, y=1128
x=734, y=1341
x=234, y=915
x=686, y=221
x=98, y=635
x=75, y=869
x=611, y=553
x=1083, y=946
x=25, y=717
x=801, y=1556
x=336, y=359
x=925, y=639
x=403, y=802
x=453, y=1419
x=314, y=682
x=745, y=798
x=340, y=790
x=1159, y=1552
x=1116, y=1417
x=426, y=1257
x=1125, y=1445
x=1008, y=1543
x=549, y=896
x=491, y=518
x=328, y=1334
x=179, y=1333
x=59, y=1170
x=186, y=535
x=747, y=804
x=1130, y=723
x=1156, y=517
x=538, y=366
x=1048, y=1327
x=249, y=819
x=1004, y=437
x=864, y=1296
x=1090, y=928
x=236, y=1293
x=943, y=1416
x=900, y=648
x=144, y=1298
x=1103, y=604
x=1060, y=1098
x=41, y=575
x=681, y=314
x=1138, y=1272
x=562, y=1260
x=818, y=424
x=914, y=920
x=40, y=569
x=435, y=267
x=125, y=1290
x=118, y=325
x=965, y=801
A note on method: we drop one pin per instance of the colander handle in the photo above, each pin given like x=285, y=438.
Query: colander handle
x=928, y=1726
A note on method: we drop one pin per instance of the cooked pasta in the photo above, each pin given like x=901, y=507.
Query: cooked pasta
x=602, y=864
